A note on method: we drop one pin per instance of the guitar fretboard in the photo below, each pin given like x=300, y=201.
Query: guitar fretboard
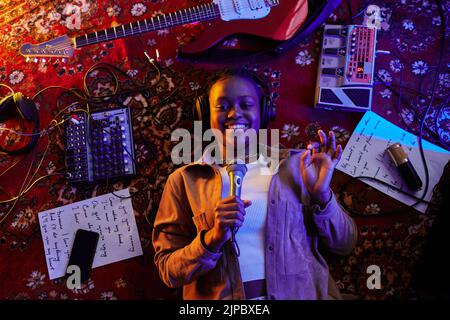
x=196, y=14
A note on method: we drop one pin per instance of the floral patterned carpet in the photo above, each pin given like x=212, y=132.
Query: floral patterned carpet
x=411, y=31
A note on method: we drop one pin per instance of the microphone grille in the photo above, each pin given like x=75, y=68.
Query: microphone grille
x=235, y=167
x=397, y=154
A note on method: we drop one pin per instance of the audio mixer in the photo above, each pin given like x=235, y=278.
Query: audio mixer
x=99, y=146
x=345, y=75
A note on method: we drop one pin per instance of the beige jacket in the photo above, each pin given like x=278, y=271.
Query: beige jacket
x=295, y=269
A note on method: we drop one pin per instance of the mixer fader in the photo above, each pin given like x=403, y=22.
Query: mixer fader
x=99, y=146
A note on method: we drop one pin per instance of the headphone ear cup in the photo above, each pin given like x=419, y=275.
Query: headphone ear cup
x=267, y=108
x=197, y=112
x=264, y=110
x=6, y=105
x=27, y=110
x=271, y=109
x=26, y=107
x=201, y=112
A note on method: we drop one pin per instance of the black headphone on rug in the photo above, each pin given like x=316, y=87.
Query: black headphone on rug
x=201, y=107
x=17, y=103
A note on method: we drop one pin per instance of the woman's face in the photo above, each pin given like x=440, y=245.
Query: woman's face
x=235, y=104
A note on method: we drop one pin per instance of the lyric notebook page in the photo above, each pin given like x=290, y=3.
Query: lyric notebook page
x=110, y=216
x=365, y=155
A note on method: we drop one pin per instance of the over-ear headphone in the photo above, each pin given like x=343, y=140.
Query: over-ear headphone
x=17, y=104
x=201, y=110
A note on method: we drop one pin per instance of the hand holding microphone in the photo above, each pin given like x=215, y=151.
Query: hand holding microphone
x=228, y=214
x=236, y=172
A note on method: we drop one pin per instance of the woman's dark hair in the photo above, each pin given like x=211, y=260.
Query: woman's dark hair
x=244, y=73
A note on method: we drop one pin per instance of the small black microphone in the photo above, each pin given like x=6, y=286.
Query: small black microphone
x=236, y=172
x=405, y=167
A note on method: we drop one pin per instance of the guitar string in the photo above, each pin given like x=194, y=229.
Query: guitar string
x=192, y=14
x=195, y=14
x=211, y=12
x=198, y=13
x=134, y=30
x=137, y=30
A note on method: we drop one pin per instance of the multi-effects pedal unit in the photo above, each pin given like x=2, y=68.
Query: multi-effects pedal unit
x=345, y=75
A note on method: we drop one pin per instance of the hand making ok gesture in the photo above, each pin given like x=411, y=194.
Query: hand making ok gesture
x=317, y=165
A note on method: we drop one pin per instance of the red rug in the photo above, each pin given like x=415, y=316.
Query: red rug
x=411, y=31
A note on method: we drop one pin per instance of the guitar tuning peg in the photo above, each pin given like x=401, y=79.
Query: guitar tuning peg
x=27, y=59
x=64, y=60
x=43, y=60
x=35, y=60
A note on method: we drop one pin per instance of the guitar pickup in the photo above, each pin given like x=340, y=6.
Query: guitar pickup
x=255, y=4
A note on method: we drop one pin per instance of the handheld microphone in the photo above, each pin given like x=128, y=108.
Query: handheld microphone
x=405, y=167
x=236, y=172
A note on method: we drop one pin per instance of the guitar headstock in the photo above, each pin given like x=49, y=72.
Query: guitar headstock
x=61, y=47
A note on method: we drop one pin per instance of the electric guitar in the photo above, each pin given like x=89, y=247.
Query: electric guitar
x=277, y=20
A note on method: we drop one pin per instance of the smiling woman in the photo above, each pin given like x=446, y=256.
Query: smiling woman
x=220, y=245
x=254, y=95
x=162, y=104
x=234, y=104
x=234, y=109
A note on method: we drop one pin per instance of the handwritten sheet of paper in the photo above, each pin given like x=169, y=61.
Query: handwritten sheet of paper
x=364, y=155
x=112, y=217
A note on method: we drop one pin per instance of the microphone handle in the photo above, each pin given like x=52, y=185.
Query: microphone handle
x=236, y=174
x=235, y=190
x=235, y=187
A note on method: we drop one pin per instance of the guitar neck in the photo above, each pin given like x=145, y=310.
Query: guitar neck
x=196, y=14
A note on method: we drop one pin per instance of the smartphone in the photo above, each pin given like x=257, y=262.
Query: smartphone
x=83, y=252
